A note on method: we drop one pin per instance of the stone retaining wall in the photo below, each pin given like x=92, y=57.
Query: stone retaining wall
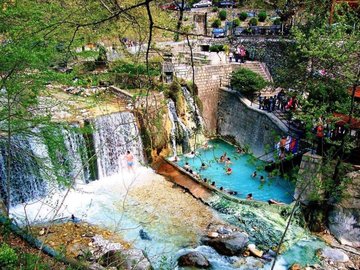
x=248, y=126
x=208, y=80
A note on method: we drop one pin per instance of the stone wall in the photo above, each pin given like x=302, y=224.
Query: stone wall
x=249, y=126
x=271, y=51
x=208, y=80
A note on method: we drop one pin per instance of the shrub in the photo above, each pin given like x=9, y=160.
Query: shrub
x=215, y=9
x=216, y=23
x=247, y=82
x=222, y=15
x=253, y=22
x=216, y=48
x=277, y=21
x=243, y=16
x=8, y=257
x=262, y=16
x=236, y=22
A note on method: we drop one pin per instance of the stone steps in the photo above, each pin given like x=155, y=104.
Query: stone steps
x=258, y=68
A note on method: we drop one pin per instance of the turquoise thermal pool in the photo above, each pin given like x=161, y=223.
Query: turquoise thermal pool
x=240, y=180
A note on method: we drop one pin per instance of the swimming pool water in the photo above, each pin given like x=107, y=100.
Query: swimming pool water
x=243, y=165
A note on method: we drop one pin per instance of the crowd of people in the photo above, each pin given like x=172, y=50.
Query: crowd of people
x=280, y=102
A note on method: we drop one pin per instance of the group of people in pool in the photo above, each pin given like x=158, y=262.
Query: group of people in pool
x=225, y=159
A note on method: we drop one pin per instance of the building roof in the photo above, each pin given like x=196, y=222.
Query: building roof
x=344, y=119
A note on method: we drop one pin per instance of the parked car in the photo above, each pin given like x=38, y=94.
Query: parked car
x=226, y=4
x=202, y=4
x=175, y=6
x=218, y=32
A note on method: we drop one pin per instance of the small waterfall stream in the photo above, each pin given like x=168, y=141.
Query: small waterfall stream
x=172, y=115
x=179, y=132
x=193, y=108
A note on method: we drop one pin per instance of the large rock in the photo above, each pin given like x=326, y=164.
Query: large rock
x=233, y=244
x=335, y=255
x=193, y=259
x=133, y=259
x=344, y=219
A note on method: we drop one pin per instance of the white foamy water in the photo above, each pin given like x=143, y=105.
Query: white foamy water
x=93, y=202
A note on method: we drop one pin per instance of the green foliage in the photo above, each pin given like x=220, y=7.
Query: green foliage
x=222, y=14
x=243, y=16
x=8, y=257
x=247, y=82
x=134, y=69
x=236, y=22
x=277, y=21
x=262, y=16
x=216, y=48
x=215, y=9
x=253, y=22
x=216, y=23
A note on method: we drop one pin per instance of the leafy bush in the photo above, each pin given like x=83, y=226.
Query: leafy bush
x=8, y=257
x=222, y=15
x=216, y=48
x=262, y=16
x=253, y=22
x=133, y=69
x=215, y=9
x=236, y=22
x=243, y=16
x=277, y=21
x=216, y=23
x=247, y=82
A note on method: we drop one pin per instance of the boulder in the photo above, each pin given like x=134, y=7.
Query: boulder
x=193, y=259
x=254, y=251
x=344, y=218
x=230, y=245
x=295, y=266
x=335, y=255
x=133, y=259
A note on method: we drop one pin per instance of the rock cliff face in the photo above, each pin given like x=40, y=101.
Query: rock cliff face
x=344, y=219
x=248, y=126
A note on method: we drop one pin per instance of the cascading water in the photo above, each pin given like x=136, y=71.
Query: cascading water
x=115, y=134
x=194, y=110
x=181, y=132
x=77, y=155
x=173, y=127
x=26, y=181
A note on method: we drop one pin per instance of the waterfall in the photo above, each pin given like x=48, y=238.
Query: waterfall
x=194, y=110
x=181, y=132
x=77, y=155
x=115, y=134
x=26, y=171
x=58, y=154
x=172, y=115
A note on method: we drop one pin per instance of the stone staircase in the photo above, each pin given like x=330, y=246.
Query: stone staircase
x=259, y=68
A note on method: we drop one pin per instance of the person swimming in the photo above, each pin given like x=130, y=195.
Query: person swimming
x=203, y=166
x=254, y=174
x=262, y=179
x=228, y=162
x=190, y=155
x=187, y=166
x=249, y=197
x=228, y=171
